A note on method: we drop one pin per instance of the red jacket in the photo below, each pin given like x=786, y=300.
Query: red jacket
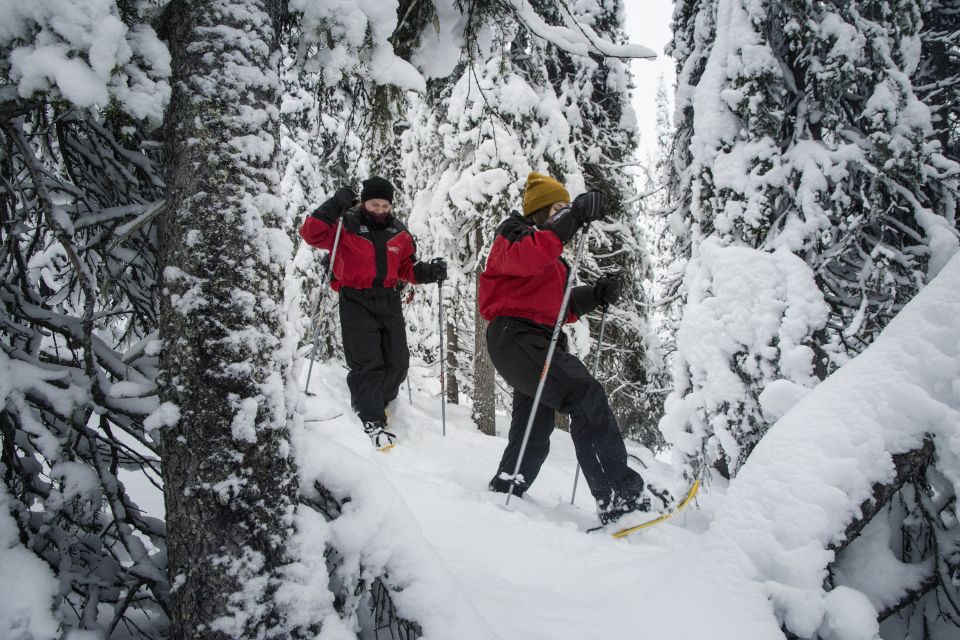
x=524, y=276
x=367, y=256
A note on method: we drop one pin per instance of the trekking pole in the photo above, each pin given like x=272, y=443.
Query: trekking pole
x=596, y=368
x=546, y=365
x=409, y=390
x=443, y=371
x=320, y=296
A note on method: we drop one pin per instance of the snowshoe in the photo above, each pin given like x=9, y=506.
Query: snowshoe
x=382, y=439
x=619, y=507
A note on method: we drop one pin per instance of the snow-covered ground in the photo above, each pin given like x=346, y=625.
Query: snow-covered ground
x=529, y=570
x=736, y=565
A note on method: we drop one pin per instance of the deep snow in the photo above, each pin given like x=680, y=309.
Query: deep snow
x=738, y=564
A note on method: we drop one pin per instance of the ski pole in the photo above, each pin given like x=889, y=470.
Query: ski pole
x=596, y=368
x=409, y=390
x=320, y=296
x=546, y=365
x=443, y=371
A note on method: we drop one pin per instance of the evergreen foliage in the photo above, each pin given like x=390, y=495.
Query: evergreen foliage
x=79, y=360
x=783, y=154
x=802, y=129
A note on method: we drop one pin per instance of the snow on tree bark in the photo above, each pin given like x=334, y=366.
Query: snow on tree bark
x=483, y=412
x=230, y=484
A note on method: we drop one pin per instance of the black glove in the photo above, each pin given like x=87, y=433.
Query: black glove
x=583, y=300
x=607, y=290
x=439, y=266
x=433, y=271
x=334, y=207
x=586, y=207
x=589, y=207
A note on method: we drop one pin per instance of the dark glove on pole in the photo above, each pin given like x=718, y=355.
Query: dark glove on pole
x=433, y=271
x=586, y=208
x=335, y=206
x=607, y=291
x=439, y=268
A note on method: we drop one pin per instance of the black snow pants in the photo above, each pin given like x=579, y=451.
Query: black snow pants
x=518, y=349
x=375, y=347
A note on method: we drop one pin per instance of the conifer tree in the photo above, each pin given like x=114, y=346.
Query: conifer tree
x=229, y=478
x=784, y=156
x=937, y=77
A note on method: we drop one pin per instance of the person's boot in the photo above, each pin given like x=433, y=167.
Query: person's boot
x=629, y=498
x=382, y=439
x=501, y=483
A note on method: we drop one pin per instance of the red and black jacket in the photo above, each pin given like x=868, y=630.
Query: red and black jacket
x=525, y=276
x=369, y=254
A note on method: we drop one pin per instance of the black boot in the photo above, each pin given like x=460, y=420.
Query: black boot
x=378, y=434
x=501, y=484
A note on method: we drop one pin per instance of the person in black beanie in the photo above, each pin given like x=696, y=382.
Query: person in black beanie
x=375, y=253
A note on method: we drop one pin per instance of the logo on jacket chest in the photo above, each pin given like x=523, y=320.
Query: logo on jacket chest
x=393, y=248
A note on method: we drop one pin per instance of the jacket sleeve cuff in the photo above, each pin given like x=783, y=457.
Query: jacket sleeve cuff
x=326, y=212
x=423, y=273
x=582, y=300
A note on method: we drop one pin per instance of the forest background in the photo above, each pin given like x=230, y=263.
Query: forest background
x=158, y=156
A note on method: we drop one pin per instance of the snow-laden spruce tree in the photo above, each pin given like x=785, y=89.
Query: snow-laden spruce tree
x=936, y=80
x=461, y=197
x=319, y=149
x=784, y=156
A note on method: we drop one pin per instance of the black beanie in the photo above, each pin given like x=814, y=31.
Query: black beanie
x=377, y=187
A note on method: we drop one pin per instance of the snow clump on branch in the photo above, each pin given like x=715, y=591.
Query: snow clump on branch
x=85, y=53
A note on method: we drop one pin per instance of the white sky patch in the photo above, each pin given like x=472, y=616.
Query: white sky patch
x=649, y=22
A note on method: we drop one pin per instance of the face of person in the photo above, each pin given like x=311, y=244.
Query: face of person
x=557, y=206
x=377, y=206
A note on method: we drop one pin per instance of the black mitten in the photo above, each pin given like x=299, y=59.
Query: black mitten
x=335, y=206
x=607, y=290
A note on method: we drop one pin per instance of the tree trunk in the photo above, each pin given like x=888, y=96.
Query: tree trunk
x=484, y=382
x=452, y=356
x=229, y=481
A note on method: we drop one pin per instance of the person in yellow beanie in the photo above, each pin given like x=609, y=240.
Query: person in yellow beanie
x=521, y=292
x=541, y=194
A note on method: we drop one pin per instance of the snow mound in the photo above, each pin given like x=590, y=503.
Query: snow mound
x=807, y=478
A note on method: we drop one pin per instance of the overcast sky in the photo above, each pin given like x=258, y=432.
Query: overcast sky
x=648, y=23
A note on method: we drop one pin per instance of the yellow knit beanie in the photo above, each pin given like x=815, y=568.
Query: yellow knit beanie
x=542, y=191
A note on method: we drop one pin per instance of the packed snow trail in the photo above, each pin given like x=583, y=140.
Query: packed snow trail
x=529, y=570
